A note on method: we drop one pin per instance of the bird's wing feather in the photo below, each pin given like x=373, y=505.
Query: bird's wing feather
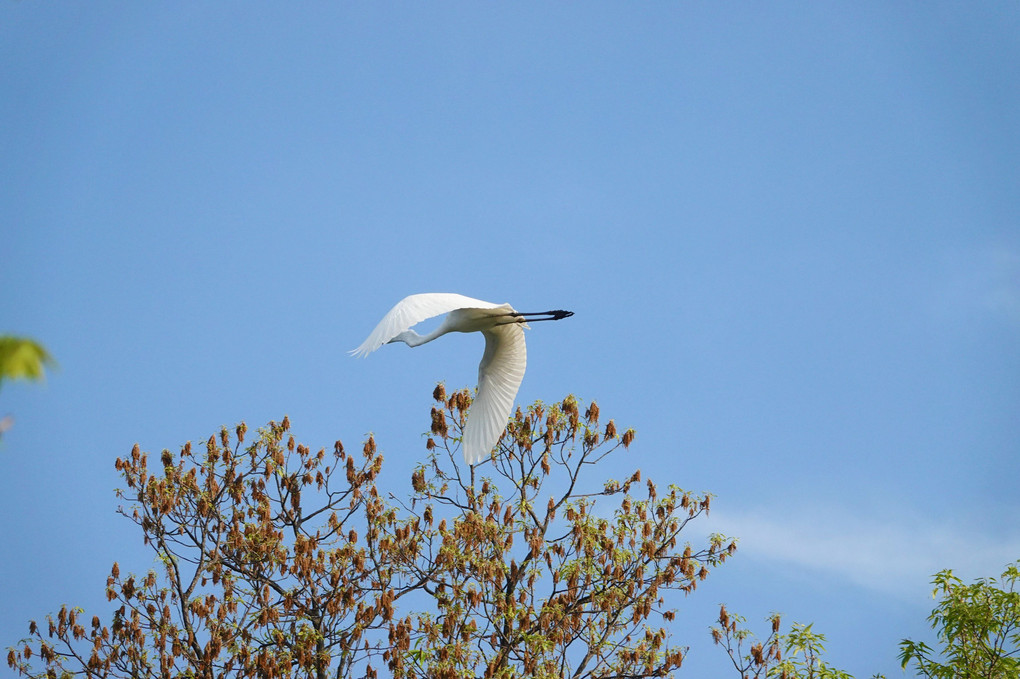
x=413, y=310
x=499, y=377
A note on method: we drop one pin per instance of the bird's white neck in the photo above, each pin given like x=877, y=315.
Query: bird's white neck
x=413, y=339
x=458, y=320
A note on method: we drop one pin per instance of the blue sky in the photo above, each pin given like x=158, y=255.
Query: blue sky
x=789, y=232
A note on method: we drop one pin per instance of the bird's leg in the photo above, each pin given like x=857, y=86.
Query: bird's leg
x=554, y=315
x=532, y=317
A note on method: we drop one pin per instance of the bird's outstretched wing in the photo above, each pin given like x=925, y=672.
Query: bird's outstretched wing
x=413, y=310
x=499, y=377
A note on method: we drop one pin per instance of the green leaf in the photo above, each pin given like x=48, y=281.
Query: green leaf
x=22, y=358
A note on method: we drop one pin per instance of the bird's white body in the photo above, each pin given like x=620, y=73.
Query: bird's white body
x=503, y=363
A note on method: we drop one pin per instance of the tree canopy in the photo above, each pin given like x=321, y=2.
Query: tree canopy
x=977, y=626
x=277, y=561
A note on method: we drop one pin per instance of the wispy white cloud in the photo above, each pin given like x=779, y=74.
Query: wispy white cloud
x=893, y=558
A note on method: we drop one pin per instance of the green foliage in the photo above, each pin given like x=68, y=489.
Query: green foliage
x=804, y=649
x=22, y=358
x=978, y=629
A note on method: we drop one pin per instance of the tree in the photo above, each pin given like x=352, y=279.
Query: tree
x=978, y=629
x=276, y=562
x=803, y=649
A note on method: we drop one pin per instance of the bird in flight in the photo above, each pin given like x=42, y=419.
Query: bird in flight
x=502, y=367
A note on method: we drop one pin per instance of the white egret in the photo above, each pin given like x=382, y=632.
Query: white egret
x=502, y=367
